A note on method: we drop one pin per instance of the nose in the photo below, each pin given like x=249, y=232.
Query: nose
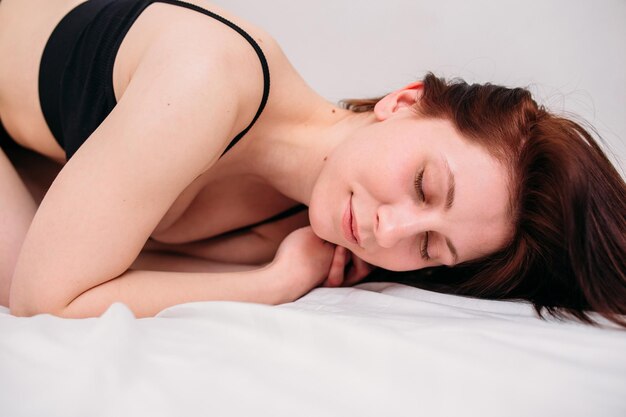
x=396, y=222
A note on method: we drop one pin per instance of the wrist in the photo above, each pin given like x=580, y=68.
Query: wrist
x=283, y=283
x=274, y=283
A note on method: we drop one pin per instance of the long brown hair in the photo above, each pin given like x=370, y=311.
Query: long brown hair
x=568, y=252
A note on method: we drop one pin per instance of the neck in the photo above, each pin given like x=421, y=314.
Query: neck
x=290, y=155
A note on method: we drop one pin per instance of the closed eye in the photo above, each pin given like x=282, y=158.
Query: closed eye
x=419, y=186
x=419, y=189
x=424, y=248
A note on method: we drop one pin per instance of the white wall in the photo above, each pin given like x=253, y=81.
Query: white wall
x=572, y=53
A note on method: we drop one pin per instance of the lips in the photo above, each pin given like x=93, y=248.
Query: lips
x=354, y=225
x=349, y=225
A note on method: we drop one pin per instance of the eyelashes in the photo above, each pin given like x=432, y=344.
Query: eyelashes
x=419, y=189
x=424, y=248
x=419, y=186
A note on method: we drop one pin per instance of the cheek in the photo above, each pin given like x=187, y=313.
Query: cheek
x=386, y=175
x=317, y=215
x=325, y=204
x=393, y=259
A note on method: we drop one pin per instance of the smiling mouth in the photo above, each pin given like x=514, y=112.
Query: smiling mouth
x=347, y=224
x=353, y=225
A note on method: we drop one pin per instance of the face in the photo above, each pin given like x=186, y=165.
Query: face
x=414, y=193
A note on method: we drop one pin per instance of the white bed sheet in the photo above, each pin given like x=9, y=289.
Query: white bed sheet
x=377, y=349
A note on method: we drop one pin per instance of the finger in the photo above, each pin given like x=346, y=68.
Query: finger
x=336, y=274
x=360, y=269
x=330, y=269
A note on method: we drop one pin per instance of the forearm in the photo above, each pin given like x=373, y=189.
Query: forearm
x=165, y=261
x=148, y=292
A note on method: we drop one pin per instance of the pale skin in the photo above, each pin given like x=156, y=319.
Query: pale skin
x=150, y=177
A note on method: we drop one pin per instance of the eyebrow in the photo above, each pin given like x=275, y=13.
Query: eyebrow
x=448, y=205
x=451, y=187
x=455, y=255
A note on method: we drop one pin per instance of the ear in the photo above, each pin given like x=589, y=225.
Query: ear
x=399, y=100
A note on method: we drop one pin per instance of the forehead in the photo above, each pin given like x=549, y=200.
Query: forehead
x=482, y=200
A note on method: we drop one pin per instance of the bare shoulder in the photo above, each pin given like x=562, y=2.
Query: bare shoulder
x=227, y=51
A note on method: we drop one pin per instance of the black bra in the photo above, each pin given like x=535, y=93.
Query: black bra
x=76, y=71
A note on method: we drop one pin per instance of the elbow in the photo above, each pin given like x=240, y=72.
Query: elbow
x=26, y=302
x=24, y=307
x=18, y=301
x=34, y=290
x=19, y=308
x=20, y=311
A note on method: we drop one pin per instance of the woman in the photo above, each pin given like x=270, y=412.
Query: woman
x=143, y=103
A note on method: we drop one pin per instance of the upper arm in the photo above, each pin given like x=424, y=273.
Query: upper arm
x=17, y=209
x=173, y=121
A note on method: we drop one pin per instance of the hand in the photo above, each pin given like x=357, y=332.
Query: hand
x=302, y=262
x=346, y=269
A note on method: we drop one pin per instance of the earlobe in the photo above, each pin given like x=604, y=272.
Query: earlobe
x=403, y=98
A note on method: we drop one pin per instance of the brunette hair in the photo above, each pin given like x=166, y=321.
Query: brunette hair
x=567, y=255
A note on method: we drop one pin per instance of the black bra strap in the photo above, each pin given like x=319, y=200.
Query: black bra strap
x=257, y=49
x=284, y=214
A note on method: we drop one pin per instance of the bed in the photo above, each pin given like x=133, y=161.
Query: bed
x=377, y=349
